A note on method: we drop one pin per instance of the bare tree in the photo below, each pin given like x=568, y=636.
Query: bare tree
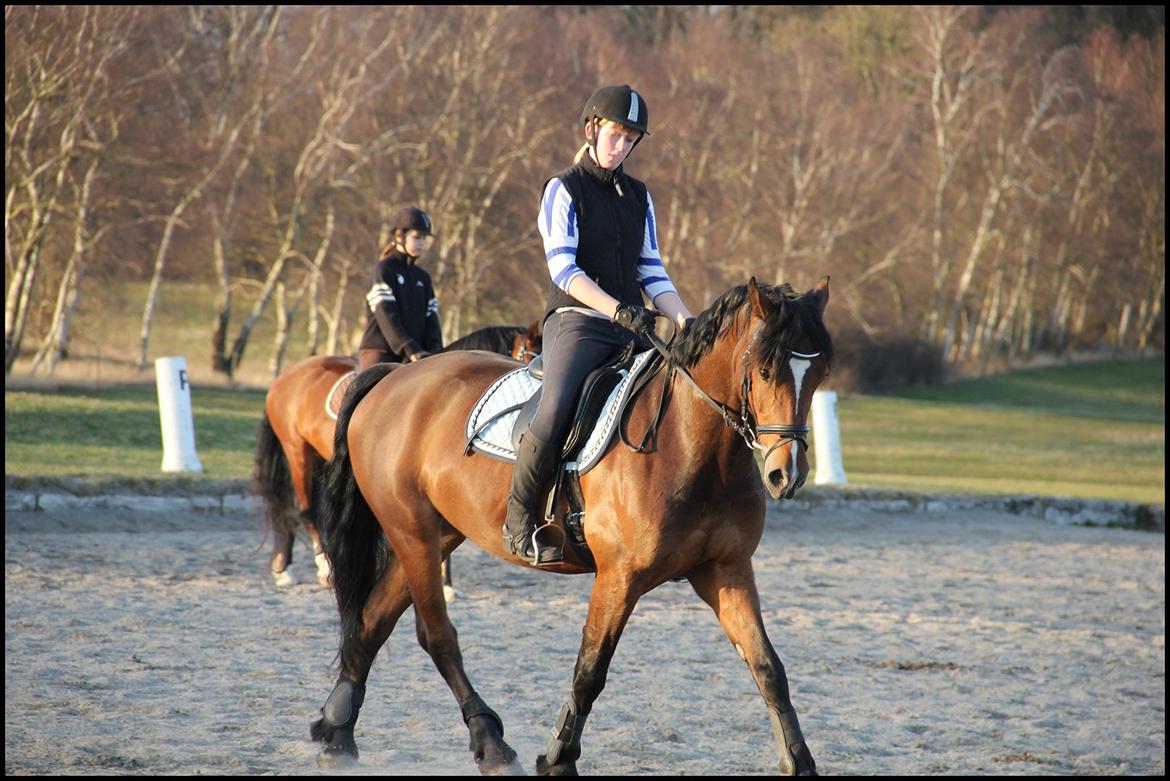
x=353, y=75
x=58, y=75
x=222, y=123
x=56, y=341
x=482, y=139
x=955, y=124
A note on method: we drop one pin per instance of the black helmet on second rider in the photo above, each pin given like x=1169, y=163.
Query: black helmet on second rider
x=618, y=104
x=410, y=218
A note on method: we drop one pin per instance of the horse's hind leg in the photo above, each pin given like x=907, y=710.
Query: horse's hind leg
x=421, y=555
x=449, y=592
x=303, y=463
x=451, y=540
x=319, y=558
x=730, y=589
x=282, y=545
x=384, y=606
x=610, y=605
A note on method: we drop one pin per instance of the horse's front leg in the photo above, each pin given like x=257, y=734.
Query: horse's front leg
x=730, y=589
x=610, y=605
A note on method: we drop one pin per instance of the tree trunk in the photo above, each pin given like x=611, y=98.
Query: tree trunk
x=283, y=326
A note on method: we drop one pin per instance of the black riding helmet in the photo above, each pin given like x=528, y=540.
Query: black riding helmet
x=618, y=104
x=410, y=218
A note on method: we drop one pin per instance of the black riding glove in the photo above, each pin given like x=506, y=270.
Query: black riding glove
x=635, y=318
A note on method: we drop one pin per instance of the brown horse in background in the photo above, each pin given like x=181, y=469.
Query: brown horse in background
x=295, y=439
x=690, y=506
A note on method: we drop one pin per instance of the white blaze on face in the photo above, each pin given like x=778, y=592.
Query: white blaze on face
x=799, y=366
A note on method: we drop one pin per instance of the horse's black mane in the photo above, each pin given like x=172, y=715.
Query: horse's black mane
x=493, y=338
x=792, y=317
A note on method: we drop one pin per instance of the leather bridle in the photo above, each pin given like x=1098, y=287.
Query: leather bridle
x=746, y=425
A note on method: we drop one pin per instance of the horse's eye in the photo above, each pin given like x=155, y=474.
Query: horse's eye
x=765, y=374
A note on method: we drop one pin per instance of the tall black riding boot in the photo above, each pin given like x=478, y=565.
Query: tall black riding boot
x=536, y=463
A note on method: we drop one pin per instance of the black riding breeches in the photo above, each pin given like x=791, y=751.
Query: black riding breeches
x=574, y=345
x=367, y=357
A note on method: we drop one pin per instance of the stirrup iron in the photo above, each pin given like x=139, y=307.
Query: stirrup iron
x=560, y=550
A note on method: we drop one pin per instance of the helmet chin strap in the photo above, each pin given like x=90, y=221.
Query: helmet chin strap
x=595, y=123
x=400, y=245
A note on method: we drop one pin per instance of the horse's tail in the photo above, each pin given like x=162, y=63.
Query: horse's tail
x=272, y=482
x=353, y=540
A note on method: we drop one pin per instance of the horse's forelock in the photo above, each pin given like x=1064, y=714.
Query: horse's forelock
x=793, y=324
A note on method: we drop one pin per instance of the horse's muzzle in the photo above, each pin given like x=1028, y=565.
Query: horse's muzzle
x=782, y=485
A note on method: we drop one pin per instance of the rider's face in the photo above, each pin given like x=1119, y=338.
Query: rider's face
x=414, y=243
x=614, y=142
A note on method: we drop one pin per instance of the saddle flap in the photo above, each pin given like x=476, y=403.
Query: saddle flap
x=595, y=393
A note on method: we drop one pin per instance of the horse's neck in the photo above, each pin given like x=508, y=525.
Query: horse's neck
x=709, y=446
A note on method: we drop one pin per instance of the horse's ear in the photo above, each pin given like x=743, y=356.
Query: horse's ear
x=821, y=293
x=760, y=303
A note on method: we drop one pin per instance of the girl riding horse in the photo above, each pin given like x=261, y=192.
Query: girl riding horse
x=692, y=506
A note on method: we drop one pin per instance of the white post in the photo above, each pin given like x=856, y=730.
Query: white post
x=174, y=409
x=827, y=435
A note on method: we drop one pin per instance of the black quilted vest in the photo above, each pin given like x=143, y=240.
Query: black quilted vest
x=610, y=231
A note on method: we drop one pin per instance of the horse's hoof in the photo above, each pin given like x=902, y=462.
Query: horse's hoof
x=450, y=594
x=511, y=768
x=543, y=768
x=284, y=579
x=336, y=760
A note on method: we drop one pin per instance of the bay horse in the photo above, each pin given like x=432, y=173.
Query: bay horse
x=295, y=439
x=691, y=506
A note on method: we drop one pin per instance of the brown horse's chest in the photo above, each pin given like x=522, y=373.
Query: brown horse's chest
x=693, y=518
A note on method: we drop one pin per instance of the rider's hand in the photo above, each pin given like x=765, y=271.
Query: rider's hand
x=635, y=318
x=418, y=356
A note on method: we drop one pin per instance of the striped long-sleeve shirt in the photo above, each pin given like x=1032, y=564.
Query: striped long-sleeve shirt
x=558, y=225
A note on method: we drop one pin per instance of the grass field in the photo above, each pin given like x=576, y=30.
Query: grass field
x=1085, y=430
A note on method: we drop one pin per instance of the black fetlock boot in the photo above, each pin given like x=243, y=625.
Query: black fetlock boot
x=335, y=727
x=536, y=463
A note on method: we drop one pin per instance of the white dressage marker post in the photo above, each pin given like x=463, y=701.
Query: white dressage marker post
x=174, y=409
x=827, y=435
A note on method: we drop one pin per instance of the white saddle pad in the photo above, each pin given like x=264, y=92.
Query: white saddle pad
x=333, y=398
x=494, y=415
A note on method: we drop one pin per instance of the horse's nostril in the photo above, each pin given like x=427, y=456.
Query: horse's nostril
x=776, y=478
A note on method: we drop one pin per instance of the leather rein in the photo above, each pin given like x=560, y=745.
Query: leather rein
x=745, y=426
